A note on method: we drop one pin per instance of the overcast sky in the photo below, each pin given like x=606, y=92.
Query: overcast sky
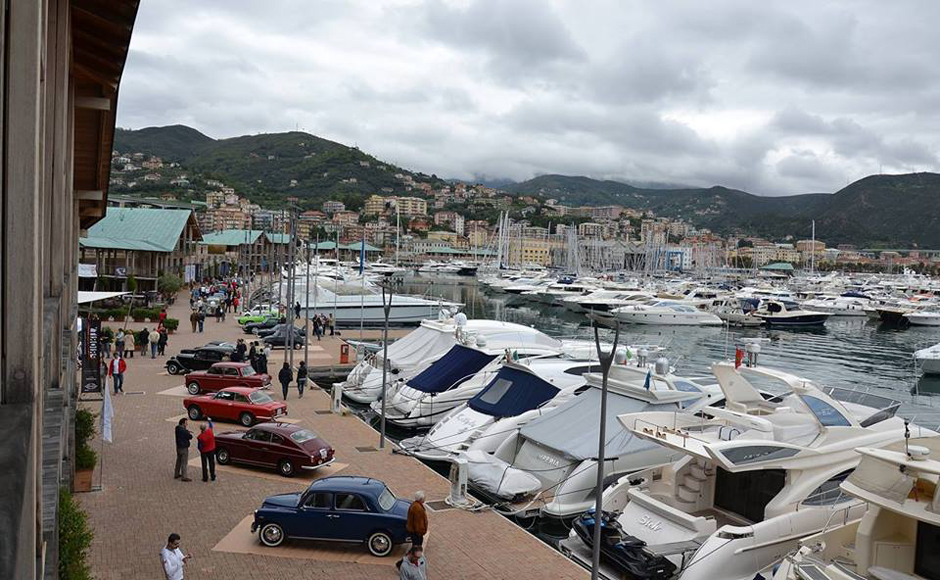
x=770, y=97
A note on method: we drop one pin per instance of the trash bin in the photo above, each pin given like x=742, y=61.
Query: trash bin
x=343, y=354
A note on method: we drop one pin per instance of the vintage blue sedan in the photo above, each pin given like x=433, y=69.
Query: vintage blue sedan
x=339, y=508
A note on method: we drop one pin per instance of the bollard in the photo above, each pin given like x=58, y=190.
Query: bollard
x=344, y=354
x=337, y=406
x=458, y=483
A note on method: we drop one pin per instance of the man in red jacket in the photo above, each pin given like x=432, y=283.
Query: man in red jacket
x=116, y=368
x=206, y=443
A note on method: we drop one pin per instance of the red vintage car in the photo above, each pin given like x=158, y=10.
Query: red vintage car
x=225, y=374
x=284, y=447
x=242, y=404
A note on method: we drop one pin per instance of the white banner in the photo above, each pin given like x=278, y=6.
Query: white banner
x=107, y=413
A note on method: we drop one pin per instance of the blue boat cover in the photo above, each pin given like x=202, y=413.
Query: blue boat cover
x=512, y=392
x=459, y=364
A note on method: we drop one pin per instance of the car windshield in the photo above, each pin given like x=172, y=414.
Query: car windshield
x=303, y=435
x=259, y=398
x=386, y=500
x=247, y=371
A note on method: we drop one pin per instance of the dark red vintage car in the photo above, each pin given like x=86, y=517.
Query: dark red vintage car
x=284, y=447
x=225, y=374
x=242, y=404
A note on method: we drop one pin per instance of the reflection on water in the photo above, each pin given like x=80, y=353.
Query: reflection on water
x=847, y=352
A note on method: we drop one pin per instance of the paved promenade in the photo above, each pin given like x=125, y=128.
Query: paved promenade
x=141, y=503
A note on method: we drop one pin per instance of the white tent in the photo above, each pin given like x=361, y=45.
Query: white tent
x=86, y=297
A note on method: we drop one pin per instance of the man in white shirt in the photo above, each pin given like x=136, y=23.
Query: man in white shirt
x=173, y=559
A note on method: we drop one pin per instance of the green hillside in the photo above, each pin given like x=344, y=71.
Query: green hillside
x=262, y=166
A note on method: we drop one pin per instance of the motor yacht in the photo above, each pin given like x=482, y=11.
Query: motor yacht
x=786, y=313
x=465, y=370
x=547, y=466
x=923, y=318
x=755, y=476
x=419, y=349
x=666, y=312
x=605, y=300
x=897, y=538
x=927, y=360
x=736, y=312
x=838, y=305
x=520, y=392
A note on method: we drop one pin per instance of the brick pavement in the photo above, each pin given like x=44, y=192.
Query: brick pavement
x=141, y=503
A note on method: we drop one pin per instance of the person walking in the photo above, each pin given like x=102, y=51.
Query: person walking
x=164, y=338
x=417, y=522
x=172, y=558
x=253, y=356
x=154, y=339
x=285, y=376
x=332, y=324
x=143, y=337
x=296, y=309
x=130, y=343
x=205, y=441
x=301, y=379
x=116, y=370
x=201, y=319
x=119, y=342
x=316, y=327
x=240, y=349
x=106, y=344
x=162, y=317
x=413, y=566
x=183, y=437
x=194, y=319
x=265, y=357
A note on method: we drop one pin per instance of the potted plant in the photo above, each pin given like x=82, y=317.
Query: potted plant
x=171, y=324
x=75, y=536
x=85, y=456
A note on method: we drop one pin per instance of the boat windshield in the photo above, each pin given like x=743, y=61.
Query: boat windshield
x=883, y=407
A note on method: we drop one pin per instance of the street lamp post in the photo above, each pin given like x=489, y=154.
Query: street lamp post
x=387, y=307
x=605, y=360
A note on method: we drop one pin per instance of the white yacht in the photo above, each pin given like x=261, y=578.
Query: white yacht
x=838, y=305
x=755, y=476
x=899, y=535
x=666, y=312
x=923, y=318
x=786, y=313
x=520, y=392
x=465, y=370
x=548, y=465
x=735, y=312
x=927, y=360
x=605, y=300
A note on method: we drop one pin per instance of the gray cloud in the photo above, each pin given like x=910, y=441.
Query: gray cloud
x=774, y=98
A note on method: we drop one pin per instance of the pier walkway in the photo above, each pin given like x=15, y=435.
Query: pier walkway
x=141, y=503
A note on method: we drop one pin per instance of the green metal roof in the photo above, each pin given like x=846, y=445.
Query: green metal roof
x=445, y=250
x=138, y=228
x=357, y=246
x=278, y=238
x=327, y=246
x=231, y=237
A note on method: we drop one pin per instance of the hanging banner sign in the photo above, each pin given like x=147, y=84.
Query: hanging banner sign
x=91, y=356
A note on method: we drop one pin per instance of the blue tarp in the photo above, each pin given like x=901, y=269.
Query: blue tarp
x=512, y=392
x=459, y=364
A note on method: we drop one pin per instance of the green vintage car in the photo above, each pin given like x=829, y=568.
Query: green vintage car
x=258, y=314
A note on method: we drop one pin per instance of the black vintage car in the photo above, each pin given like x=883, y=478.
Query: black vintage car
x=279, y=337
x=267, y=323
x=198, y=359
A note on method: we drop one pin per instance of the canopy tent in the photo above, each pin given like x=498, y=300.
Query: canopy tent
x=511, y=393
x=459, y=364
x=572, y=429
x=86, y=297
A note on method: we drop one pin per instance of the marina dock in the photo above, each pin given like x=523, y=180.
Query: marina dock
x=140, y=503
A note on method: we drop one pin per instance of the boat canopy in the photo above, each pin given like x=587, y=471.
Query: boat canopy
x=573, y=428
x=511, y=393
x=459, y=364
x=420, y=344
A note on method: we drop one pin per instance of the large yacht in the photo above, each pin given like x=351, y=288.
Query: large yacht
x=548, y=465
x=666, y=312
x=520, y=392
x=899, y=535
x=786, y=313
x=754, y=478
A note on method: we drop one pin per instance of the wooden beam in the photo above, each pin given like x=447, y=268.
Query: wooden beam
x=98, y=103
x=84, y=71
x=90, y=195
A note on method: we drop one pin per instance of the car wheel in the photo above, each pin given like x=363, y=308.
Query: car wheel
x=222, y=456
x=271, y=535
x=193, y=388
x=285, y=468
x=173, y=368
x=194, y=413
x=380, y=544
x=246, y=419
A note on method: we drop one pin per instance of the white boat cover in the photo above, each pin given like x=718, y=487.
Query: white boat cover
x=494, y=475
x=573, y=428
x=417, y=346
